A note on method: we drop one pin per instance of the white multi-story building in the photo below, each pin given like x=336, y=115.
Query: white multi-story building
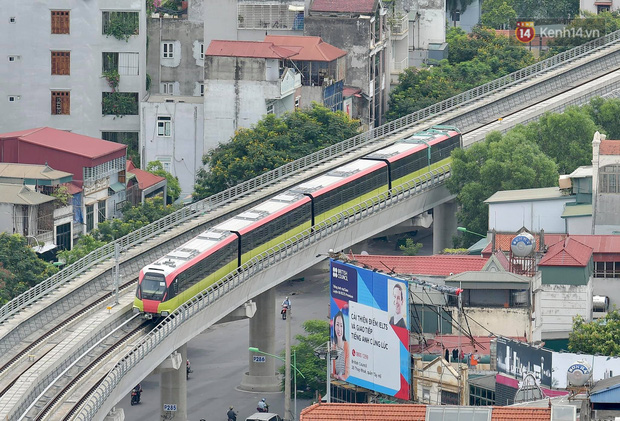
x=54, y=55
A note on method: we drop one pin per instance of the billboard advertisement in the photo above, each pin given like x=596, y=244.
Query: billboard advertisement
x=518, y=359
x=369, y=329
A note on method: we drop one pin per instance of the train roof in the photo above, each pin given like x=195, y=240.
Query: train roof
x=352, y=169
x=264, y=211
x=209, y=240
x=414, y=143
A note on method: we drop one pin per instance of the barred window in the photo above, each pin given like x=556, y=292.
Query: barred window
x=60, y=21
x=61, y=102
x=101, y=211
x=103, y=170
x=610, y=179
x=127, y=23
x=61, y=62
x=270, y=15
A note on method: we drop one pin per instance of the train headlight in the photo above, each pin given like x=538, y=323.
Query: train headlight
x=136, y=310
x=164, y=314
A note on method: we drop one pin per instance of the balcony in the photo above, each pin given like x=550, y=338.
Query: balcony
x=400, y=66
x=399, y=25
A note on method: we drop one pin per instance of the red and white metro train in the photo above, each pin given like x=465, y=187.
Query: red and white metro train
x=184, y=272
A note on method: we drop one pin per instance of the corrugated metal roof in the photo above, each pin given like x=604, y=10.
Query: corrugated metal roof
x=61, y=140
x=33, y=171
x=308, y=48
x=344, y=6
x=567, y=253
x=606, y=391
x=545, y=193
x=18, y=194
x=486, y=280
x=577, y=210
x=610, y=147
x=439, y=265
x=251, y=49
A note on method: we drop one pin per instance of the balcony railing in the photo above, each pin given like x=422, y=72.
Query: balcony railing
x=399, y=25
x=399, y=66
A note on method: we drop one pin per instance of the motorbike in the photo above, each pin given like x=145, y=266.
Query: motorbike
x=283, y=312
x=135, y=397
x=259, y=409
x=189, y=370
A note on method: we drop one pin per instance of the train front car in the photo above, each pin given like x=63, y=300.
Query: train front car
x=181, y=274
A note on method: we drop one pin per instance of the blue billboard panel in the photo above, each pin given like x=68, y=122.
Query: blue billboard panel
x=369, y=329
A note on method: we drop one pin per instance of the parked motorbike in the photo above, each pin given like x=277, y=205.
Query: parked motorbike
x=283, y=312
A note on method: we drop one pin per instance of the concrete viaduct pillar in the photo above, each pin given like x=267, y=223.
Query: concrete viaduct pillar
x=173, y=386
x=262, y=375
x=444, y=226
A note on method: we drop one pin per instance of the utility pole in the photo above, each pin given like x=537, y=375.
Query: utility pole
x=117, y=251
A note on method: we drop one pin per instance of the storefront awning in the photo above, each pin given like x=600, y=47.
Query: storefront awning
x=116, y=187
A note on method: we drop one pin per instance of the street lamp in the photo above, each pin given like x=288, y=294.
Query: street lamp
x=463, y=229
x=294, y=365
x=327, y=355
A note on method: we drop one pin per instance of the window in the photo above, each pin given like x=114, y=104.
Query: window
x=610, y=179
x=164, y=126
x=63, y=236
x=12, y=19
x=90, y=217
x=120, y=25
x=297, y=99
x=602, y=8
x=13, y=58
x=61, y=62
x=13, y=98
x=60, y=21
x=202, y=51
x=110, y=61
x=167, y=88
x=270, y=109
x=101, y=212
x=119, y=103
x=202, y=89
x=124, y=63
x=165, y=162
x=61, y=102
x=167, y=50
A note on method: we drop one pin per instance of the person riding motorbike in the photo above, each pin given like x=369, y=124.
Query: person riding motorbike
x=262, y=406
x=286, y=305
x=231, y=414
x=135, y=394
x=189, y=368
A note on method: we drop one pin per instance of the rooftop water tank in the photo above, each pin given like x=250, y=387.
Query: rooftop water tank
x=579, y=373
x=523, y=244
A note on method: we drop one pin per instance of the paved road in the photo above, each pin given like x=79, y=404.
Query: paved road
x=219, y=357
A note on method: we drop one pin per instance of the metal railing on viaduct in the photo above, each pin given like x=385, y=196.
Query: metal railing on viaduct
x=94, y=273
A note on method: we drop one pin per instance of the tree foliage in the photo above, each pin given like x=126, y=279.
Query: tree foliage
x=605, y=114
x=313, y=368
x=498, y=14
x=474, y=59
x=584, y=29
x=410, y=248
x=20, y=268
x=173, y=186
x=272, y=142
x=500, y=162
x=600, y=336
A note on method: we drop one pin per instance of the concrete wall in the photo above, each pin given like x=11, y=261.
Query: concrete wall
x=469, y=18
x=184, y=149
x=556, y=306
x=501, y=321
x=185, y=69
x=429, y=27
x=534, y=215
x=29, y=76
x=581, y=225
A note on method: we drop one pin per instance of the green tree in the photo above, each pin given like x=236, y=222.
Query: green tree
x=452, y=6
x=566, y=138
x=313, y=368
x=605, y=114
x=410, y=248
x=20, y=268
x=498, y=14
x=82, y=247
x=600, y=336
x=583, y=29
x=174, y=188
x=270, y=143
x=508, y=162
x=474, y=59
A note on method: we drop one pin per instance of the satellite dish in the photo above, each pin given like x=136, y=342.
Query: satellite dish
x=579, y=373
x=523, y=244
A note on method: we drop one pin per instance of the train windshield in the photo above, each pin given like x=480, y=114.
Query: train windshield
x=153, y=286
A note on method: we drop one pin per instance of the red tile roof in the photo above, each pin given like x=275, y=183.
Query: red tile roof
x=438, y=265
x=407, y=412
x=366, y=412
x=610, y=147
x=307, y=48
x=601, y=244
x=145, y=178
x=348, y=91
x=346, y=6
x=252, y=49
x=61, y=140
x=567, y=253
x=508, y=413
